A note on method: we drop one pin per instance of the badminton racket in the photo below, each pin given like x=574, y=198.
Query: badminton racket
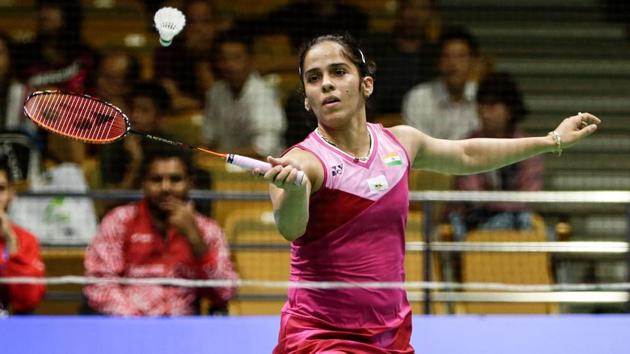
x=92, y=120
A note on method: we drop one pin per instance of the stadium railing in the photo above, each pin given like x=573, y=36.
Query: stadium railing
x=426, y=291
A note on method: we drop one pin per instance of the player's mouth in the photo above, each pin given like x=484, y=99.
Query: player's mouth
x=330, y=101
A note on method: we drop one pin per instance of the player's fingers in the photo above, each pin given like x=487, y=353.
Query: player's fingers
x=271, y=174
x=583, y=120
x=587, y=130
x=282, y=176
x=274, y=161
x=292, y=176
x=589, y=118
x=286, y=179
x=586, y=124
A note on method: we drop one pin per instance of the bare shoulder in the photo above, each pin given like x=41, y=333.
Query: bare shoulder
x=301, y=156
x=411, y=138
x=403, y=132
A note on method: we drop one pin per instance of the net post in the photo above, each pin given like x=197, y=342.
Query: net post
x=428, y=229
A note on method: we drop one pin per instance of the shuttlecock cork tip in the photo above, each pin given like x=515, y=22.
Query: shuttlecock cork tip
x=165, y=43
x=168, y=21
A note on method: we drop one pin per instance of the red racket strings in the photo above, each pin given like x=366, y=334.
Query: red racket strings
x=87, y=119
x=77, y=117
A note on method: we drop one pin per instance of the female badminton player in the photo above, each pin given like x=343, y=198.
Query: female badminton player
x=346, y=219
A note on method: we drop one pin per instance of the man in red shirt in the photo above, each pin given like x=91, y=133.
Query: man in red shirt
x=19, y=256
x=161, y=236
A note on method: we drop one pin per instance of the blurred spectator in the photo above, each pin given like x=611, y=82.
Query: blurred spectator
x=12, y=92
x=118, y=72
x=406, y=56
x=121, y=161
x=58, y=59
x=243, y=112
x=501, y=109
x=18, y=134
x=302, y=20
x=58, y=220
x=23, y=157
x=306, y=19
x=160, y=236
x=19, y=256
x=445, y=107
x=300, y=122
x=184, y=68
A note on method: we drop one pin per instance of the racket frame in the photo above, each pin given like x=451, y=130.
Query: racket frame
x=238, y=160
x=56, y=131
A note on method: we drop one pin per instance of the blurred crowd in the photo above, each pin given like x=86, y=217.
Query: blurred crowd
x=217, y=86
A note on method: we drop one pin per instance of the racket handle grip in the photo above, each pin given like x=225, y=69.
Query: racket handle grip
x=251, y=164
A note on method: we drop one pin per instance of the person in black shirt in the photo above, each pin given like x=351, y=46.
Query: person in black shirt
x=406, y=56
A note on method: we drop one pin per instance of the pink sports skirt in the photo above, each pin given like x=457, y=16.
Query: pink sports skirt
x=301, y=335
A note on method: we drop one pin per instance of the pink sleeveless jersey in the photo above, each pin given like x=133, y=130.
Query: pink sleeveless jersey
x=355, y=233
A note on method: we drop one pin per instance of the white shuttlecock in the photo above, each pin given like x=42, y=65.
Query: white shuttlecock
x=168, y=21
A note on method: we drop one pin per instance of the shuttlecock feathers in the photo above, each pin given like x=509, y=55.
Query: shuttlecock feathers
x=168, y=21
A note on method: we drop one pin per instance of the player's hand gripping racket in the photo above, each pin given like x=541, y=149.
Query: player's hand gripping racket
x=92, y=120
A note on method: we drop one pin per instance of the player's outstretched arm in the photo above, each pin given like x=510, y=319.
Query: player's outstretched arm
x=483, y=154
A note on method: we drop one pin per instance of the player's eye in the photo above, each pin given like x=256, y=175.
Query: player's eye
x=340, y=72
x=312, y=78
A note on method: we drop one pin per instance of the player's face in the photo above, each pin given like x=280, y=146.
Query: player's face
x=334, y=90
x=5, y=191
x=165, y=178
x=456, y=63
x=494, y=118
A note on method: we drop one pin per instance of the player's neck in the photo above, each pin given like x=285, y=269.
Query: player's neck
x=355, y=142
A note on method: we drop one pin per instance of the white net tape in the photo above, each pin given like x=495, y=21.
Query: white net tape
x=191, y=283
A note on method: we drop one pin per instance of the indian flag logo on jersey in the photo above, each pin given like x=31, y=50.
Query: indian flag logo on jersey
x=392, y=159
